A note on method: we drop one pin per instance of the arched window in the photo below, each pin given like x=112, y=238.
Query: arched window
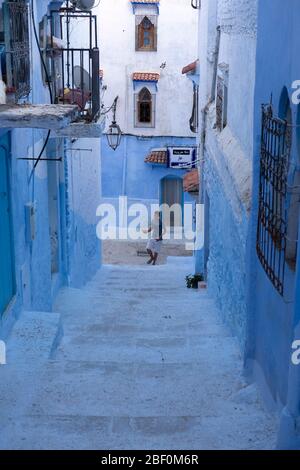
x=146, y=35
x=144, y=106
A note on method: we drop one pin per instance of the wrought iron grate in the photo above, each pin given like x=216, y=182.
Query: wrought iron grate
x=272, y=218
x=74, y=61
x=16, y=20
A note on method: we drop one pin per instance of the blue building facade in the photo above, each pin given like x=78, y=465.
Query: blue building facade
x=274, y=313
x=249, y=149
x=126, y=173
x=48, y=238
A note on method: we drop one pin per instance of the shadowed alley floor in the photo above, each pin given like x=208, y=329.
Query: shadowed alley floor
x=144, y=363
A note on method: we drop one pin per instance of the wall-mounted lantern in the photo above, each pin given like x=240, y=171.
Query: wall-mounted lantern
x=114, y=134
x=196, y=4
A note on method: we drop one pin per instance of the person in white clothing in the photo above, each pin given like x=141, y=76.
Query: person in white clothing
x=157, y=231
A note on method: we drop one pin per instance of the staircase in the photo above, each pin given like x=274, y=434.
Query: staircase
x=145, y=363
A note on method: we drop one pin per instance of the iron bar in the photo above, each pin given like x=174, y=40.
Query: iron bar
x=42, y=159
x=272, y=218
x=79, y=81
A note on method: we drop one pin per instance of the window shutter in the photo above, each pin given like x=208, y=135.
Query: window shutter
x=140, y=37
x=155, y=38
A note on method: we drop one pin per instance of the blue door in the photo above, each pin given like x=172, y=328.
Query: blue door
x=7, y=284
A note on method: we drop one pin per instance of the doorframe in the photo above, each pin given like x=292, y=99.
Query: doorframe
x=7, y=148
x=172, y=177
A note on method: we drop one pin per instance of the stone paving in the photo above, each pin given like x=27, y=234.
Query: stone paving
x=144, y=363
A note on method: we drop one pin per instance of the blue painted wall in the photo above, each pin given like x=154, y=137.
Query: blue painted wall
x=124, y=171
x=226, y=267
x=272, y=318
x=36, y=288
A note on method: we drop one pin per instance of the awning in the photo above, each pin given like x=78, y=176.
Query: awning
x=145, y=1
x=190, y=67
x=191, y=182
x=157, y=157
x=145, y=77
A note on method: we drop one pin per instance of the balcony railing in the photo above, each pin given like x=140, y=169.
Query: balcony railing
x=74, y=62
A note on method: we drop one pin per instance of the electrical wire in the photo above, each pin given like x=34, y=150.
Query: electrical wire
x=48, y=82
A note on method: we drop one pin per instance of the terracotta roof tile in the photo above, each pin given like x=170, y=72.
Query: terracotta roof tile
x=191, y=181
x=157, y=157
x=146, y=76
x=190, y=67
x=145, y=1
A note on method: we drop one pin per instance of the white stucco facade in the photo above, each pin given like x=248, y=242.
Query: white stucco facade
x=176, y=46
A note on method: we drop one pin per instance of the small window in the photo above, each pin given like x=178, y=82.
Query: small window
x=222, y=97
x=146, y=33
x=194, y=120
x=144, y=109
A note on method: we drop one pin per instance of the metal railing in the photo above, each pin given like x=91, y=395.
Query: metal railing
x=272, y=218
x=75, y=71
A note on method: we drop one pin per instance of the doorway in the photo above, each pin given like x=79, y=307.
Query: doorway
x=171, y=199
x=7, y=271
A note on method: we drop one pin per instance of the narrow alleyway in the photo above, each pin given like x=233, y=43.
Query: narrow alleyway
x=144, y=363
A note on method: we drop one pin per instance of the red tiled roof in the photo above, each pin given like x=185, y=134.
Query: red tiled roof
x=145, y=1
x=146, y=76
x=190, y=67
x=191, y=181
x=157, y=156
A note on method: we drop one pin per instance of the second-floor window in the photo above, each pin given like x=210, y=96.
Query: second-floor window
x=146, y=34
x=144, y=109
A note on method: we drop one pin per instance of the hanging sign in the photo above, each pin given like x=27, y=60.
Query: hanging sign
x=181, y=157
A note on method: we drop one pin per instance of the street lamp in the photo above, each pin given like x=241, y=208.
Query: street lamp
x=196, y=4
x=114, y=133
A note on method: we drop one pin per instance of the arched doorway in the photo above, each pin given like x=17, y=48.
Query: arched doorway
x=171, y=200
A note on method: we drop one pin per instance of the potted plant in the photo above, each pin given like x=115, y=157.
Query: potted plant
x=192, y=280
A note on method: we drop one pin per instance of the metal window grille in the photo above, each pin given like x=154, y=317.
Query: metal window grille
x=272, y=218
x=16, y=26
x=219, y=103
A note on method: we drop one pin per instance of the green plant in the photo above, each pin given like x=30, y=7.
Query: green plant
x=192, y=280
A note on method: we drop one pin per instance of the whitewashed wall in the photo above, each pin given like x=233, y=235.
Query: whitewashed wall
x=228, y=154
x=238, y=22
x=177, y=46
